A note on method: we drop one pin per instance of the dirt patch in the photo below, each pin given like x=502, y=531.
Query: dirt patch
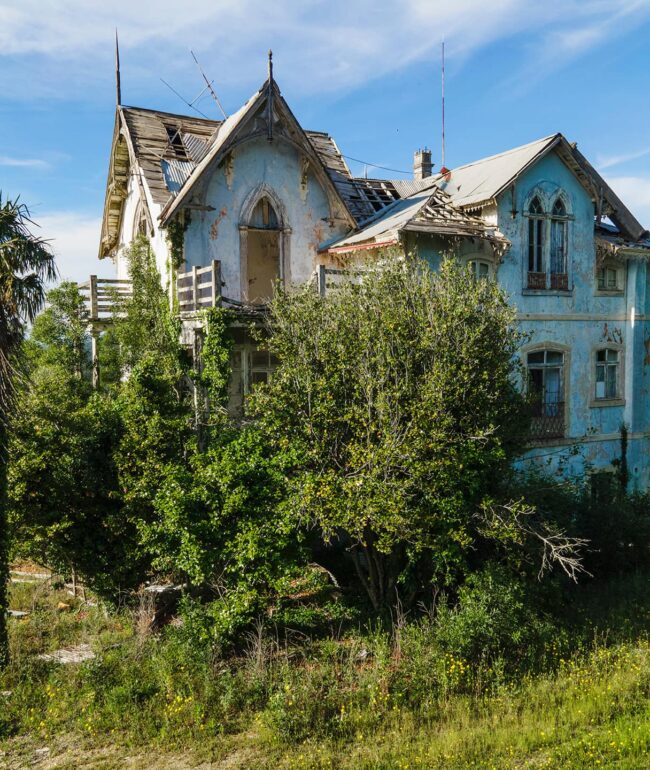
x=70, y=752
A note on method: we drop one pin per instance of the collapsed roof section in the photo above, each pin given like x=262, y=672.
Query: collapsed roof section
x=430, y=211
x=612, y=243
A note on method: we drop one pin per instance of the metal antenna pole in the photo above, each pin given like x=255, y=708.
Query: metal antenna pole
x=209, y=85
x=442, y=160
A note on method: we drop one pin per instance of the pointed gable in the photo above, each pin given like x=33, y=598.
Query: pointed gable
x=265, y=114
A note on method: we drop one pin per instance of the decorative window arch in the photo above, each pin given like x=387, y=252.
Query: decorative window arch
x=264, y=244
x=547, y=364
x=547, y=247
x=536, y=222
x=253, y=199
x=140, y=221
x=559, y=242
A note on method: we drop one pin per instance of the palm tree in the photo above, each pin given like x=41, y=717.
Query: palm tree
x=26, y=265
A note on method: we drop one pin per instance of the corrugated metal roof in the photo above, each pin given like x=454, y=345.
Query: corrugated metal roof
x=175, y=173
x=150, y=138
x=483, y=179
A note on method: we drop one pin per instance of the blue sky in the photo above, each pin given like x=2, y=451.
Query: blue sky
x=366, y=72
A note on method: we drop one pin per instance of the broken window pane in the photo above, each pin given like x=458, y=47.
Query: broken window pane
x=607, y=373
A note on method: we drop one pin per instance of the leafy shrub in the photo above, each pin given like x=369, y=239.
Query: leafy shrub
x=494, y=618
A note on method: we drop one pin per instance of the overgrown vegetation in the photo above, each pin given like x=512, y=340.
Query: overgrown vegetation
x=26, y=264
x=427, y=692
x=355, y=557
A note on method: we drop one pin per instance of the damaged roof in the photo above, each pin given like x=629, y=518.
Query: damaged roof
x=610, y=241
x=169, y=147
x=161, y=141
x=172, y=150
x=430, y=211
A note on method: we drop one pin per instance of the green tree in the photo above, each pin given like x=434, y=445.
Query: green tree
x=26, y=264
x=155, y=397
x=396, y=406
x=65, y=502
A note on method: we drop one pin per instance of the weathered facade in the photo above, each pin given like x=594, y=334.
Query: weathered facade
x=233, y=206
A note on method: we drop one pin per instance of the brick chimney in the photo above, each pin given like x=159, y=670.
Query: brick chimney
x=422, y=165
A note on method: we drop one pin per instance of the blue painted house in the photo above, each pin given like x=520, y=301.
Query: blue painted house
x=256, y=199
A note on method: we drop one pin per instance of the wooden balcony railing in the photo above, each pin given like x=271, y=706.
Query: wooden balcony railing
x=326, y=278
x=102, y=295
x=199, y=288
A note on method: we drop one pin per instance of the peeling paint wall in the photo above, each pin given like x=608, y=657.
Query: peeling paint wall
x=216, y=234
x=578, y=321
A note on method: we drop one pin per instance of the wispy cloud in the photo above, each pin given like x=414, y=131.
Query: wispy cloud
x=6, y=160
x=333, y=46
x=575, y=30
x=608, y=161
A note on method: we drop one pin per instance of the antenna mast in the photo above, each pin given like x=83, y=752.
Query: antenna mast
x=209, y=85
x=118, y=84
x=442, y=159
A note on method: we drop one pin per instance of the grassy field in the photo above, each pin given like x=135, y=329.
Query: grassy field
x=379, y=700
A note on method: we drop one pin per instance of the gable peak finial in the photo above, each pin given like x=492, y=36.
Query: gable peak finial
x=270, y=64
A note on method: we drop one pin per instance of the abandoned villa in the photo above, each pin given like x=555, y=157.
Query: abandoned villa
x=230, y=207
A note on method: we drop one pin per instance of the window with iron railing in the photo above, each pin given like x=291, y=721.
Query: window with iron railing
x=546, y=393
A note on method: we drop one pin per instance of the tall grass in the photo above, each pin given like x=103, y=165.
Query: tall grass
x=377, y=698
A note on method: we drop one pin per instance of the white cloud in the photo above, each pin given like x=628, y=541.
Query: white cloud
x=573, y=29
x=320, y=46
x=634, y=191
x=608, y=161
x=6, y=160
x=74, y=237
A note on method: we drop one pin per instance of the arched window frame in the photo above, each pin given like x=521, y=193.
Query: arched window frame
x=473, y=260
x=245, y=218
x=536, y=238
x=546, y=240
x=559, y=243
x=549, y=424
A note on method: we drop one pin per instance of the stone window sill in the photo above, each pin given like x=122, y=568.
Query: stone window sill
x=596, y=403
x=547, y=292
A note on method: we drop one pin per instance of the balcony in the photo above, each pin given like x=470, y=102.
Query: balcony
x=199, y=288
x=103, y=296
x=546, y=420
